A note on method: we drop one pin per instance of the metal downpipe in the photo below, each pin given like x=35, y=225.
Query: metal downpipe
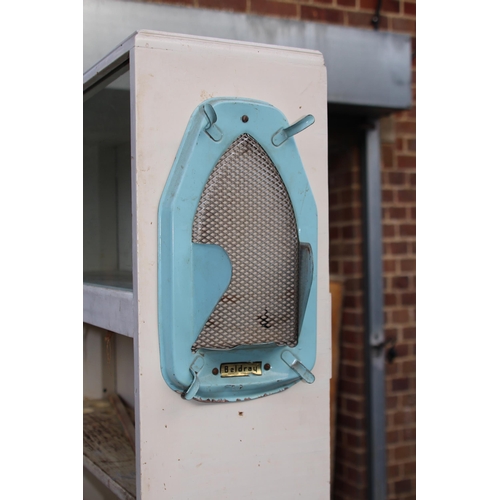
x=374, y=312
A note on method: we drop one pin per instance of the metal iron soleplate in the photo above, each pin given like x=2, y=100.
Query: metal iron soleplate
x=245, y=208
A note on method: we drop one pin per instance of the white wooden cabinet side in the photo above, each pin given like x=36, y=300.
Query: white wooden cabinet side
x=274, y=447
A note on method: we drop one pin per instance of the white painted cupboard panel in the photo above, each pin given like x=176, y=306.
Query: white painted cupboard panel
x=277, y=446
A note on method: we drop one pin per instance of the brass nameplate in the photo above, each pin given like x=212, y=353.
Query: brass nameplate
x=240, y=369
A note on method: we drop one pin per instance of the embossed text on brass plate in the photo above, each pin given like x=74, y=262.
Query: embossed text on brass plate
x=240, y=369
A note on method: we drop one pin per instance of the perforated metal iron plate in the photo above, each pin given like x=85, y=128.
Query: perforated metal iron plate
x=245, y=208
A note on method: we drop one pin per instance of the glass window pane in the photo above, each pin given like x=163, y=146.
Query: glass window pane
x=107, y=201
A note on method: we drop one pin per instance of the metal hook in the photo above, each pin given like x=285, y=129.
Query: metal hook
x=285, y=133
x=195, y=368
x=212, y=130
x=290, y=359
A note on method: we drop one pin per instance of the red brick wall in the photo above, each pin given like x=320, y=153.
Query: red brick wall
x=399, y=220
x=399, y=231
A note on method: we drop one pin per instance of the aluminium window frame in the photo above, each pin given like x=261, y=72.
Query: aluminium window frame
x=107, y=307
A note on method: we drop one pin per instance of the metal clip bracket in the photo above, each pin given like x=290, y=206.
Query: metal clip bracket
x=285, y=133
x=297, y=366
x=212, y=129
x=195, y=368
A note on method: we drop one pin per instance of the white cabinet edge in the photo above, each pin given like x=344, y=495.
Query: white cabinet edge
x=161, y=40
x=103, y=67
x=109, y=308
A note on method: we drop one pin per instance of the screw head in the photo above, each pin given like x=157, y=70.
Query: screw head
x=267, y=366
x=215, y=371
x=244, y=118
